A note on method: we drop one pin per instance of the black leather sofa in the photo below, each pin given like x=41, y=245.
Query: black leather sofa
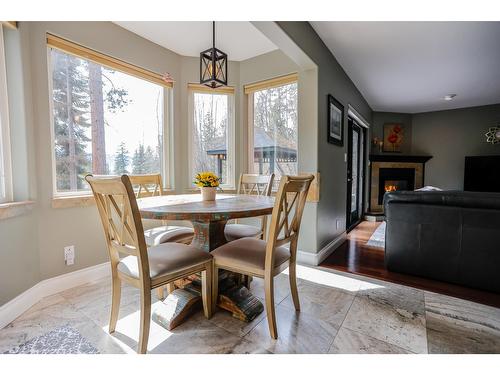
x=451, y=236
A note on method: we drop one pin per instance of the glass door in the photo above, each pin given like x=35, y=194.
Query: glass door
x=355, y=173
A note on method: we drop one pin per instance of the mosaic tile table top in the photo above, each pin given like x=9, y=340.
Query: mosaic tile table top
x=191, y=207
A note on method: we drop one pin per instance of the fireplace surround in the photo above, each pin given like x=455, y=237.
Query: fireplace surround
x=394, y=172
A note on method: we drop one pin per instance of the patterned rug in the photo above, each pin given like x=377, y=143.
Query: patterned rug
x=378, y=237
x=62, y=340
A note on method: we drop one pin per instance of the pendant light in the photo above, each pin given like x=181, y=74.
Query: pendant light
x=213, y=65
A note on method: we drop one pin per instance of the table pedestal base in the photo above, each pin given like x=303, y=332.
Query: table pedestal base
x=182, y=302
x=238, y=300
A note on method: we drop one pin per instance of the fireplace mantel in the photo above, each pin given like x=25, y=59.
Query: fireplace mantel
x=400, y=158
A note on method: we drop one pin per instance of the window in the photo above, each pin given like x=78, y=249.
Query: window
x=212, y=132
x=5, y=166
x=108, y=117
x=273, y=126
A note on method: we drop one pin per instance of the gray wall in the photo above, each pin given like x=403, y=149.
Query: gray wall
x=451, y=135
x=332, y=79
x=381, y=118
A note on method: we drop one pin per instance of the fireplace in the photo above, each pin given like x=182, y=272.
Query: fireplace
x=392, y=172
x=395, y=179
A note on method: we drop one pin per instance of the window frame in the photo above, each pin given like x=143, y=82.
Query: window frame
x=5, y=142
x=249, y=90
x=81, y=52
x=194, y=88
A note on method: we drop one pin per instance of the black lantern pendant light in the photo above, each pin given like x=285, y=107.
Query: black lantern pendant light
x=213, y=65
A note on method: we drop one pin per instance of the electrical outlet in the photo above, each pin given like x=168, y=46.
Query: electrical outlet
x=339, y=224
x=69, y=255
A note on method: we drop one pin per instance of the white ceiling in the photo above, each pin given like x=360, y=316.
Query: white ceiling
x=410, y=66
x=240, y=40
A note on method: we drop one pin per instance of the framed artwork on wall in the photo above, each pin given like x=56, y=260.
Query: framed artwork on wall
x=335, y=121
x=394, y=136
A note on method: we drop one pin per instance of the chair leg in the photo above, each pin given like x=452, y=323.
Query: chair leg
x=248, y=281
x=115, y=302
x=215, y=287
x=145, y=321
x=206, y=290
x=271, y=314
x=160, y=293
x=170, y=288
x=292, y=276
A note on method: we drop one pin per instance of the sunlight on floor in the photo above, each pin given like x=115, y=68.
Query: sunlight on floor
x=126, y=334
x=331, y=279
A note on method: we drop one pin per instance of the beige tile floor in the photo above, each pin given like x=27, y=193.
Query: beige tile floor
x=341, y=313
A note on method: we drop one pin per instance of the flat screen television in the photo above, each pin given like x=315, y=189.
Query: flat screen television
x=482, y=173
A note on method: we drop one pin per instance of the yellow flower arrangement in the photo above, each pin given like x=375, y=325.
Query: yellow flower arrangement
x=206, y=179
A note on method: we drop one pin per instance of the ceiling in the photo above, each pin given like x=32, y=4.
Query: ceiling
x=240, y=40
x=410, y=66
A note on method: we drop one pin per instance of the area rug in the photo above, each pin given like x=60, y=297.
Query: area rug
x=62, y=340
x=378, y=237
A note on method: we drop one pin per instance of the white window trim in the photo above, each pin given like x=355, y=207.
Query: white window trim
x=230, y=158
x=250, y=119
x=5, y=147
x=167, y=164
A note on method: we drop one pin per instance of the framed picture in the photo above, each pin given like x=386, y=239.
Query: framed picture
x=335, y=121
x=394, y=136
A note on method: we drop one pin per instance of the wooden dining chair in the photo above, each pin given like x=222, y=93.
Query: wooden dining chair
x=142, y=267
x=255, y=184
x=150, y=185
x=257, y=258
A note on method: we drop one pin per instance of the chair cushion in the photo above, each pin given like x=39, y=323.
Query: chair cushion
x=237, y=231
x=159, y=235
x=165, y=259
x=248, y=253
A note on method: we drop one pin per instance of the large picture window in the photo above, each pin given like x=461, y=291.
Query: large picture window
x=105, y=121
x=212, y=133
x=5, y=167
x=273, y=126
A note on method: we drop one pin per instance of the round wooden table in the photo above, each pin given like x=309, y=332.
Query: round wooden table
x=208, y=217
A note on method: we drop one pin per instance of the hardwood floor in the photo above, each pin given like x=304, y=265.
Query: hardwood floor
x=356, y=257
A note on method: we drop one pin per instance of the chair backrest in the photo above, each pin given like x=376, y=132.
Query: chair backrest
x=287, y=215
x=121, y=220
x=147, y=185
x=258, y=184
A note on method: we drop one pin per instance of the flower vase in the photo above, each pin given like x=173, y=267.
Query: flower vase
x=208, y=193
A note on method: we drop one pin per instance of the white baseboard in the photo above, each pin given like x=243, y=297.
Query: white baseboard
x=314, y=259
x=15, y=307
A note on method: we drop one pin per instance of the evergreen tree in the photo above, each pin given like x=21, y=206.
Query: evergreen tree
x=139, y=165
x=71, y=121
x=122, y=159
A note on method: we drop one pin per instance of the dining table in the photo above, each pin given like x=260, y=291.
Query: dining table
x=208, y=219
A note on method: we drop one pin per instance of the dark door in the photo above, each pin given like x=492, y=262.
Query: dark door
x=355, y=173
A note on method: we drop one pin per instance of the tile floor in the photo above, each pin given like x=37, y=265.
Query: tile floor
x=340, y=313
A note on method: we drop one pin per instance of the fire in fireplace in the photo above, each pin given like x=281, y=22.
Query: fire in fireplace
x=395, y=179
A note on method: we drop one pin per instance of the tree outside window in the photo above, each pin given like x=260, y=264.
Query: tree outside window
x=105, y=122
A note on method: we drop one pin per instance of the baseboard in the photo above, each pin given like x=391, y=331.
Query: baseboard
x=314, y=259
x=15, y=307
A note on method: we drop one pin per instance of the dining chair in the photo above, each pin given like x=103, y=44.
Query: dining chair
x=251, y=184
x=142, y=267
x=258, y=258
x=150, y=185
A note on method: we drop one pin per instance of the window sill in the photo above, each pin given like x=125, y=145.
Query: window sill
x=73, y=201
x=86, y=200
x=12, y=209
